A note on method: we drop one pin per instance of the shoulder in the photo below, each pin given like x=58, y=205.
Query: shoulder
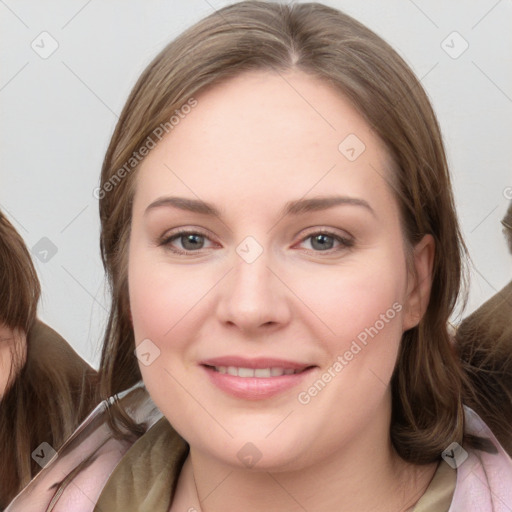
x=147, y=476
x=493, y=315
x=47, y=344
x=72, y=478
x=484, y=473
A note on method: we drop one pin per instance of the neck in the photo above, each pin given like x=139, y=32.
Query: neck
x=361, y=475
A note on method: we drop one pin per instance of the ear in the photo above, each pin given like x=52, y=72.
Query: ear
x=419, y=283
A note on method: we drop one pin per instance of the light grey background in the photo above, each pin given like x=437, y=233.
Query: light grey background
x=59, y=112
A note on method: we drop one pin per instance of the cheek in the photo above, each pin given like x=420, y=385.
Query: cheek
x=360, y=308
x=154, y=299
x=354, y=298
x=165, y=301
x=363, y=310
x=155, y=308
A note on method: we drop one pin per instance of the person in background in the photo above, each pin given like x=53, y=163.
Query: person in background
x=46, y=389
x=484, y=341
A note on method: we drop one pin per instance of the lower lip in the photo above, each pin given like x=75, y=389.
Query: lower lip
x=255, y=388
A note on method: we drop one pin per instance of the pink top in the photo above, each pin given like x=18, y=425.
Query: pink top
x=484, y=480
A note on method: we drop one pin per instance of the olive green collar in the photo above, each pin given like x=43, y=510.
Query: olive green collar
x=142, y=479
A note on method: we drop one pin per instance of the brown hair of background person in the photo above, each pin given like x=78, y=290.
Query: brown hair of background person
x=429, y=381
x=507, y=227
x=50, y=388
x=484, y=341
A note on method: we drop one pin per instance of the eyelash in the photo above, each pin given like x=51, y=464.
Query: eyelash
x=346, y=243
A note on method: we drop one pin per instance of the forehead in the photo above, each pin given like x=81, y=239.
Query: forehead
x=267, y=132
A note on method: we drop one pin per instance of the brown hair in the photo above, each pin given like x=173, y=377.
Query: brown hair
x=507, y=227
x=47, y=394
x=19, y=285
x=427, y=385
x=484, y=341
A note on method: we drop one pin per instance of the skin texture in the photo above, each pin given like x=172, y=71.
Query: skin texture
x=10, y=341
x=251, y=145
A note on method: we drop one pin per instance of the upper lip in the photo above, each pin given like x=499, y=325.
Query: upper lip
x=257, y=362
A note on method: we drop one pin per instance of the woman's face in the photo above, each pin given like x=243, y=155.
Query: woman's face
x=12, y=343
x=269, y=332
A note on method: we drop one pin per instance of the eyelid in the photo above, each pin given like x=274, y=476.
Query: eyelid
x=184, y=230
x=167, y=237
x=346, y=242
x=324, y=230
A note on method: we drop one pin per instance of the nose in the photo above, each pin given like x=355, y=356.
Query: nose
x=254, y=298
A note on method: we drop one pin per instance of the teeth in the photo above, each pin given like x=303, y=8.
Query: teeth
x=255, y=372
x=262, y=372
x=246, y=372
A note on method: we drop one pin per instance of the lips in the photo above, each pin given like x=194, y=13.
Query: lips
x=255, y=363
x=255, y=379
x=263, y=373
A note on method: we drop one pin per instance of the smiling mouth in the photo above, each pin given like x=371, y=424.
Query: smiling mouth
x=259, y=382
x=264, y=373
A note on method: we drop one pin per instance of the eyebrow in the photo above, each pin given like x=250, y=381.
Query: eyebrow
x=296, y=207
